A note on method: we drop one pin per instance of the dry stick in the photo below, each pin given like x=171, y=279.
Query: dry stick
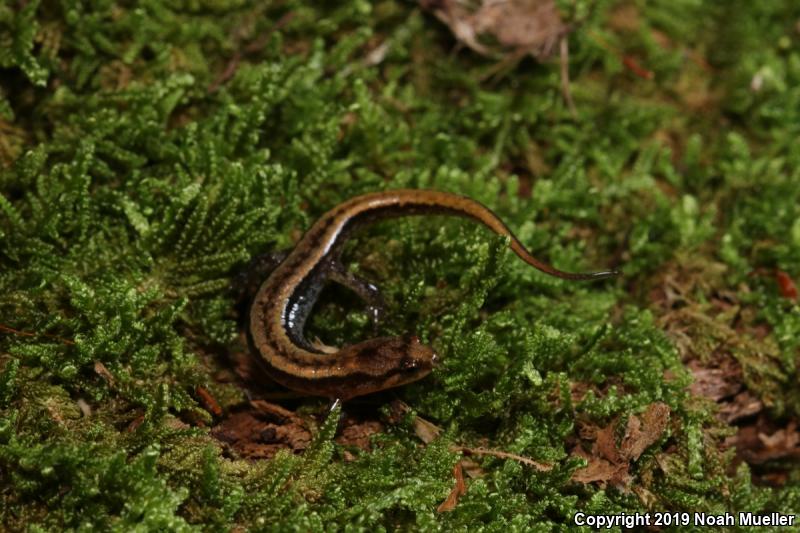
x=230, y=70
x=503, y=455
x=208, y=401
x=8, y=329
x=564, y=52
x=428, y=431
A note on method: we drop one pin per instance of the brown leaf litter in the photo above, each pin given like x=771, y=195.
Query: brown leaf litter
x=495, y=28
x=260, y=429
x=458, y=490
x=734, y=361
x=771, y=449
x=609, y=462
x=716, y=339
x=723, y=383
x=764, y=441
x=507, y=30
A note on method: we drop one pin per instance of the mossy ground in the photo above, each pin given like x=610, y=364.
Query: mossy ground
x=149, y=150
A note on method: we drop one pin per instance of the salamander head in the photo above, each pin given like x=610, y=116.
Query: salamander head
x=388, y=362
x=418, y=359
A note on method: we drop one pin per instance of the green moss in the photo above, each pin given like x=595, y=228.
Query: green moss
x=148, y=152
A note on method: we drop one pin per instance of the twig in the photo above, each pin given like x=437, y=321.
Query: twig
x=8, y=329
x=503, y=455
x=564, y=53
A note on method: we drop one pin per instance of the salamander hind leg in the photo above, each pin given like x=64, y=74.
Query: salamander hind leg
x=364, y=289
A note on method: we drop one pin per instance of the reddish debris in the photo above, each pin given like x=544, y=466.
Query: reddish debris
x=458, y=489
x=786, y=285
x=634, y=66
x=208, y=402
x=261, y=429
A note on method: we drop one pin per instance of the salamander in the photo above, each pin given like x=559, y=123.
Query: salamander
x=283, y=302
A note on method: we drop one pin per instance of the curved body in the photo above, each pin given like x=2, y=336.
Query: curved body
x=284, y=300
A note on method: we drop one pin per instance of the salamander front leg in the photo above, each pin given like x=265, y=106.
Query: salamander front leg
x=364, y=289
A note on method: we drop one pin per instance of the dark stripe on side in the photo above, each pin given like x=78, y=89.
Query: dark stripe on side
x=344, y=388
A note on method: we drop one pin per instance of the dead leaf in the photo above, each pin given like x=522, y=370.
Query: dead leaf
x=472, y=468
x=358, y=433
x=715, y=383
x=426, y=431
x=532, y=25
x=458, y=489
x=640, y=435
x=742, y=406
x=507, y=30
x=761, y=442
x=260, y=430
x=597, y=469
x=610, y=463
x=605, y=445
x=496, y=28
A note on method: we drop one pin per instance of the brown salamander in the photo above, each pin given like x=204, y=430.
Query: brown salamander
x=284, y=300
